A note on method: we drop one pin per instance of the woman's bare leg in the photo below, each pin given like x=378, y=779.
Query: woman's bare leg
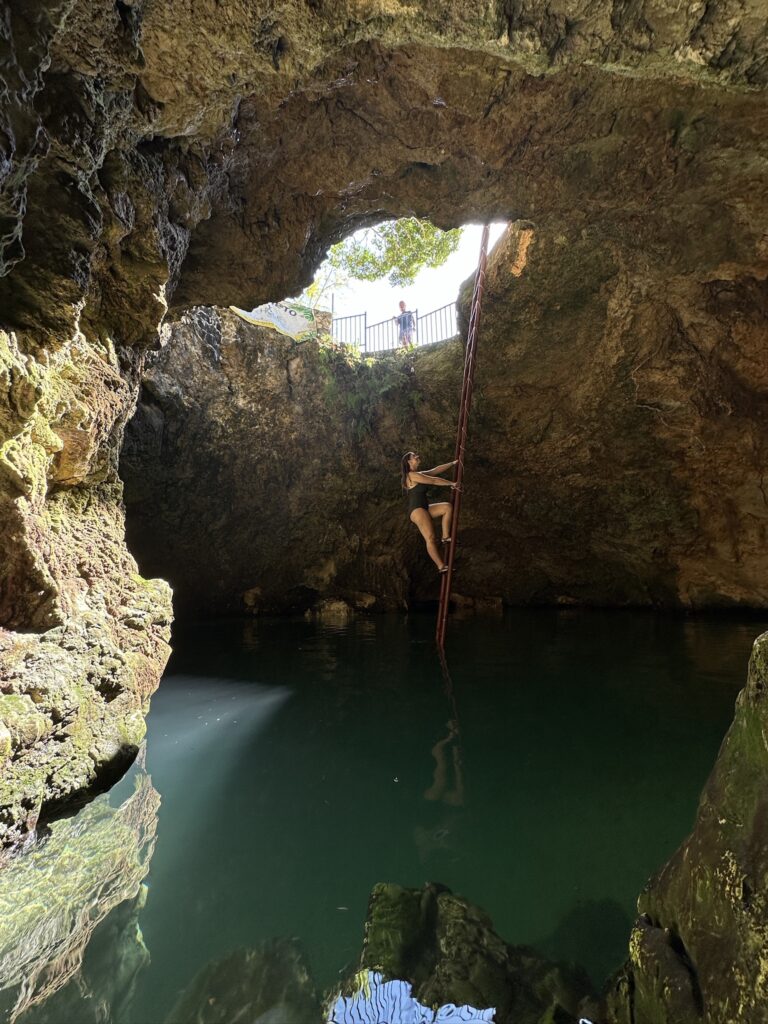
x=444, y=510
x=422, y=519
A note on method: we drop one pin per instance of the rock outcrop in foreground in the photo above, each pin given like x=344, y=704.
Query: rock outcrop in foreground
x=699, y=950
x=444, y=952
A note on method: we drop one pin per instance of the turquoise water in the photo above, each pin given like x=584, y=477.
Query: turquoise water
x=299, y=763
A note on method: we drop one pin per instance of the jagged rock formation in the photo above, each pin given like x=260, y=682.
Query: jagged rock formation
x=447, y=951
x=699, y=951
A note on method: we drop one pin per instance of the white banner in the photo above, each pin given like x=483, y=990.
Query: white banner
x=295, y=321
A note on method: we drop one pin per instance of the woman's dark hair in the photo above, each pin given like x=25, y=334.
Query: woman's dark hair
x=405, y=469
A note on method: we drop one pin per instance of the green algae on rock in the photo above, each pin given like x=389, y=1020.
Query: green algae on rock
x=87, y=637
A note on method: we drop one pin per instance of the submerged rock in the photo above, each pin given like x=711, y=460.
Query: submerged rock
x=266, y=985
x=70, y=946
x=443, y=951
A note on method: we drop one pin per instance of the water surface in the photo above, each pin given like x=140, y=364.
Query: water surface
x=299, y=763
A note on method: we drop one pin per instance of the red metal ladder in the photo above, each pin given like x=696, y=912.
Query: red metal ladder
x=470, y=358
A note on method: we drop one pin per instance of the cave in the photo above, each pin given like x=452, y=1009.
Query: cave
x=160, y=158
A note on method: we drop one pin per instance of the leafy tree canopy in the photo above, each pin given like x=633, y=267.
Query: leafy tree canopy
x=396, y=249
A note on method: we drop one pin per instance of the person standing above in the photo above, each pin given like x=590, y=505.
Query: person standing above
x=406, y=326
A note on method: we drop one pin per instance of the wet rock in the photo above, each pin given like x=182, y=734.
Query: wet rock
x=698, y=951
x=447, y=951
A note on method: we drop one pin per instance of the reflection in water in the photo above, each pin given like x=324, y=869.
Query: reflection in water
x=63, y=892
x=447, y=783
x=381, y=1002
x=441, y=789
x=267, y=985
x=300, y=763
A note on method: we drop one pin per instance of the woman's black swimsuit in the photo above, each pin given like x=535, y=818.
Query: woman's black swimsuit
x=417, y=497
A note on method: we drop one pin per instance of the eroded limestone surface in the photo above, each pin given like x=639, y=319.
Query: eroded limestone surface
x=85, y=637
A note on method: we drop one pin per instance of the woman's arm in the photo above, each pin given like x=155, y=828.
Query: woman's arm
x=433, y=481
x=443, y=468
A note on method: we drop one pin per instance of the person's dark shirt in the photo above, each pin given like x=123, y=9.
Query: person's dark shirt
x=405, y=323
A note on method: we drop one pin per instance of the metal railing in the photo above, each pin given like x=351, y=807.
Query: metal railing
x=439, y=325
x=350, y=330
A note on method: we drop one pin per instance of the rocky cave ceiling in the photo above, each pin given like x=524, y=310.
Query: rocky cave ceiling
x=211, y=154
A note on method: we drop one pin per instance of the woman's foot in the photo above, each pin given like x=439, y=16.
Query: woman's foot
x=443, y=569
x=446, y=540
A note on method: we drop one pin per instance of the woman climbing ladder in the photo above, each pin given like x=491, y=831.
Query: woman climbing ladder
x=420, y=511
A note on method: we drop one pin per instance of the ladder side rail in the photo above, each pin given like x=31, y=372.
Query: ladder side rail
x=464, y=410
x=445, y=583
x=458, y=456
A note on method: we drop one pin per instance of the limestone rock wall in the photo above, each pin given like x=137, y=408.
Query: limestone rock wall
x=279, y=461
x=84, y=637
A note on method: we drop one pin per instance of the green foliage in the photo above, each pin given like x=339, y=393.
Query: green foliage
x=328, y=279
x=396, y=249
x=354, y=387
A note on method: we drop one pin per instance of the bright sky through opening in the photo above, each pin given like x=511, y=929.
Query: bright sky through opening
x=432, y=288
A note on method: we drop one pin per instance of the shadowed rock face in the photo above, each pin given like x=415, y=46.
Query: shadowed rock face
x=280, y=460
x=698, y=951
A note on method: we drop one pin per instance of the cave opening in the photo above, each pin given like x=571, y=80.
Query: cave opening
x=621, y=443
x=368, y=384
x=356, y=293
